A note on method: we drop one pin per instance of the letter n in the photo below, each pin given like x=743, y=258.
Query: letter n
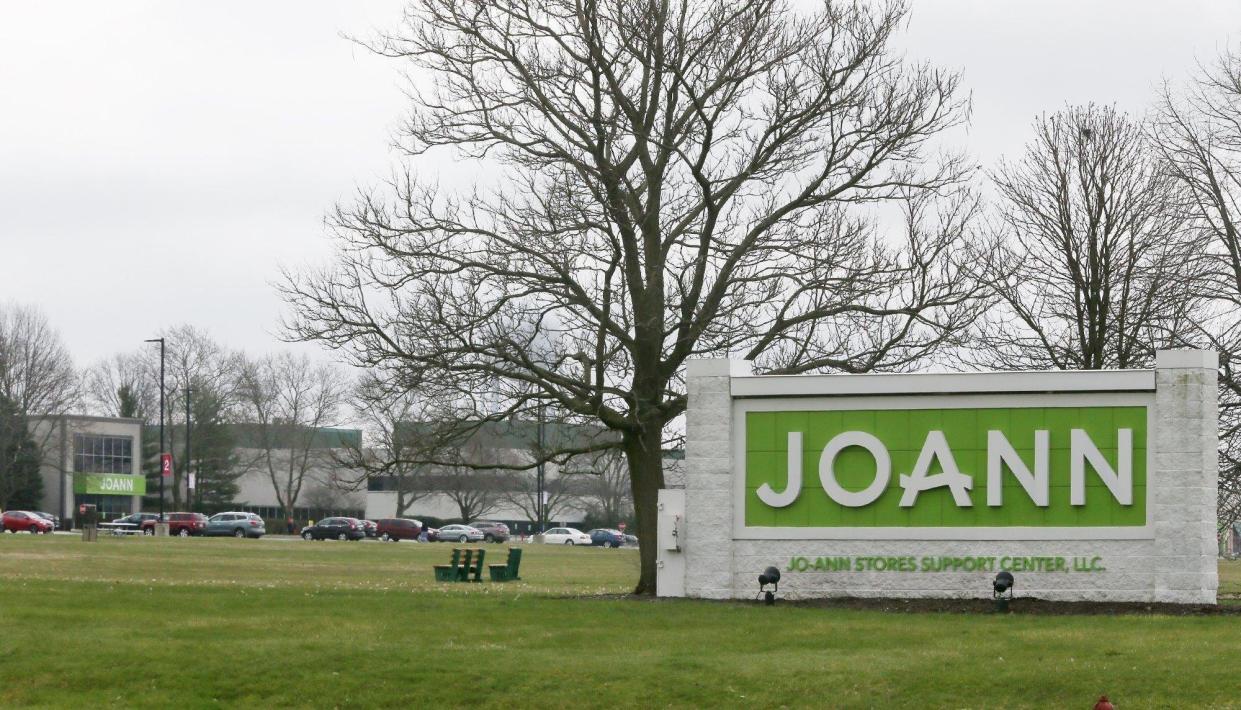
x=1118, y=481
x=1000, y=453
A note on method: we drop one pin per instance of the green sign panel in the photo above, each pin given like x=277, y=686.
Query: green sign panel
x=953, y=468
x=109, y=484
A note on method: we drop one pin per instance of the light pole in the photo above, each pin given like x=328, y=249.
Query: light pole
x=161, y=423
x=189, y=492
x=539, y=506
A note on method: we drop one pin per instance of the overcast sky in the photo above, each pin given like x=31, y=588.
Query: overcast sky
x=159, y=161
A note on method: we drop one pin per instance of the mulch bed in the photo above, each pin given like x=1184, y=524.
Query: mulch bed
x=1020, y=605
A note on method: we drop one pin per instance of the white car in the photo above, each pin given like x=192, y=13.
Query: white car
x=566, y=536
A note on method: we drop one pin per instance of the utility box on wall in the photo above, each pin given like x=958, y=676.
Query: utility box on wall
x=1085, y=485
x=670, y=573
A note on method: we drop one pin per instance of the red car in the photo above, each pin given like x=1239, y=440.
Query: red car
x=182, y=524
x=396, y=529
x=16, y=521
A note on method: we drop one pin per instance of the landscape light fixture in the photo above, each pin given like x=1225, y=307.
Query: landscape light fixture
x=1003, y=583
x=771, y=576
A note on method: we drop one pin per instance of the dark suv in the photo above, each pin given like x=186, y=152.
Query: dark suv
x=338, y=528
x=136, y=521
x=396, y=529
x=182, y=524
x=492, y=532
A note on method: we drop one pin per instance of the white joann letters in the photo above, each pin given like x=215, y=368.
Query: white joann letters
x=1000, y=455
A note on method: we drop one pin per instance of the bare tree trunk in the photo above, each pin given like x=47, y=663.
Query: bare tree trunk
x=644, y=452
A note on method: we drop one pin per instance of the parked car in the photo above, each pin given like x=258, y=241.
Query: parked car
x=433, y=534
x=492, y=532
x=396, y=529
x=236, y=524
x=370, y=528
x=337, y=528
x=460, y=533
x=604, y=537
x=135, y=520
x=179, y=524
x=566, y=536
x=631, y=539
x=54, y=520
x=16, y=521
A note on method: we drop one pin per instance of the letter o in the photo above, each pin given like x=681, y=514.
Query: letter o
x=827, y=473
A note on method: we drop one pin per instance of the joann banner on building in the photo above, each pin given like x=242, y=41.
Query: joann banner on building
x=977, y=468
x=115, y=484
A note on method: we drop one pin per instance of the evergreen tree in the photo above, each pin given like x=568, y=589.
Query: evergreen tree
x=128, y=403
x=21, y=486
x=212, y=448
x=150, y=464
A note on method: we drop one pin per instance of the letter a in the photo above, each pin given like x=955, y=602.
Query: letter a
x=936, y=447
x=768, y=495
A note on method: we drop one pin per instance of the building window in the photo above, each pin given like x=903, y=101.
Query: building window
x=107, y=507
x=93, y=453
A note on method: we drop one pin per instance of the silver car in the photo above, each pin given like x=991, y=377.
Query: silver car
x=460, y=533
x=237, y=524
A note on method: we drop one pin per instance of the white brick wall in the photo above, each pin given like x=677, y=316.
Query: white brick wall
x=1177, y=565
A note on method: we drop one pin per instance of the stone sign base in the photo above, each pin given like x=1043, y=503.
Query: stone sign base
x=1170, y=555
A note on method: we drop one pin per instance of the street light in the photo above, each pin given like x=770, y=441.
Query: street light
x=161, y=423
x=189, y=491
x=540, y=505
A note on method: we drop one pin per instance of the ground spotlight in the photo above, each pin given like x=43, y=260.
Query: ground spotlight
x=771, y=576
x=1003, y=583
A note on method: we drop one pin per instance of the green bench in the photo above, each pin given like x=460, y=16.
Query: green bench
x=507, y=572
x=465, y=563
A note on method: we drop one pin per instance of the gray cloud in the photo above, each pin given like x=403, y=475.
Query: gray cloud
x=159, y=160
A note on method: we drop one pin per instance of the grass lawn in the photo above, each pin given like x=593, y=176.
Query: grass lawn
x=270, y=623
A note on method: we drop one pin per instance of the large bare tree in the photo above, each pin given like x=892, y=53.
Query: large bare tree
x=662, y=181
x=287, y=401
x=1198, y=130
x=1091, y=262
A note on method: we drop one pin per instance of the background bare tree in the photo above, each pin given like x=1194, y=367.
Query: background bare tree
x=121, y=386
x=127, y=384
x=37, y=379
x=521, y=490
x=476, y=492
x=389, y=414
x=286, y=400
x=665, y=181
x=607, y=491
x=36, y=371
x=1091, y=262
x=197, y=361
x=1198, y=131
